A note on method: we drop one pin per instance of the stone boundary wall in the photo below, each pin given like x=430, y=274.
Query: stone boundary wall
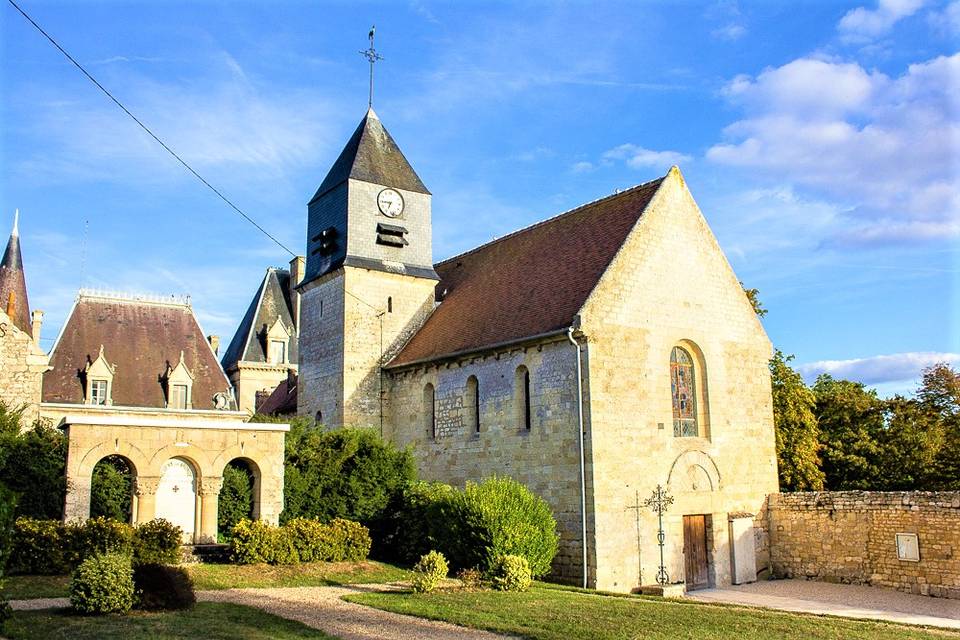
x=850, y=537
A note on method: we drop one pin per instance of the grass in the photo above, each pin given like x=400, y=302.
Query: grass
x=229, y=576
x=548, y=613
x=207, y=620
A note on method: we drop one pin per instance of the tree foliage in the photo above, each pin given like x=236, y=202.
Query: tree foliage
x=33, y=464
x=795, y=424
x=236, y=496
x=851, y=420
x=111, y=489
x=753, y=295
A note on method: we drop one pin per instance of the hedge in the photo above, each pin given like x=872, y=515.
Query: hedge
x=103, y=583
x=299, y=540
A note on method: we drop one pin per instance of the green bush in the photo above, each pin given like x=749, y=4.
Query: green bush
x=98, y=536
x=299, y=540
x=111, y=489
x=417, y=523
x=156, y=542
x=103, y=584
x=39, y=547
x=160, y=587
x=254, y=541
x=352, y=540
x=429, y=572
x=312, y=539
x=8, y=503
x=511, y=573
x=500, y=517
x=236, y=496
x=33, y=464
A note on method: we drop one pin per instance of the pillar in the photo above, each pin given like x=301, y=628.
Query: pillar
x=145, y=488
x=77, y=505
x=209, y=509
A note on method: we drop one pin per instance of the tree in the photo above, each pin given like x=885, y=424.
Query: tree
x=851, y=420
x=236, y=496
x=939, y=392
x=797, y=434
x=111, y=489
x=753, y=295
x=910, y=441
x=33, y=464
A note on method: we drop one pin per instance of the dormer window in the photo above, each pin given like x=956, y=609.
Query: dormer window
x=278, y=352
x=277, y=343
x=179, y=396
x=179, y=386
x=99, y=380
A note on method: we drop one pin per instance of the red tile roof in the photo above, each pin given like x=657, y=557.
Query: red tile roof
x=140, y=338
x=283, y=400
x=531, y=282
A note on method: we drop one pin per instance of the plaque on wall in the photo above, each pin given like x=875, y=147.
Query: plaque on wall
x=908, y=547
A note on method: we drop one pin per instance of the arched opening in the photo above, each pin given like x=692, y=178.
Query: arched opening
x=177, y=496
x=429, y=412
x=111, y=489
x=239, y=497
x=688, y=388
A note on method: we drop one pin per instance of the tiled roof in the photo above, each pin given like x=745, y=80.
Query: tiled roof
x=272, y=300
x=283, y=400
x=12, y=281
x=529, y=283
x=141, y=338
x=371, y=155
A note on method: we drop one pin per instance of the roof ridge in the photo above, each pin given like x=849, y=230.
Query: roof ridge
x=562, y=214
x=173, y=300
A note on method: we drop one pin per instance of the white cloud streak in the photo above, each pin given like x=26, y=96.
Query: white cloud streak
x=637, y=157
x=879, y=369
x=862, y=24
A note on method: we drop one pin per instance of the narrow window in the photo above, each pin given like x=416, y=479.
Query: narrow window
x=318, y=417
x=472, y=402
x=683, y=388
x=389, y=304
x=321, y=308
x=278, y=352
x=429, y=413
x=98, y=392
x=522, y=398
x=178, y=396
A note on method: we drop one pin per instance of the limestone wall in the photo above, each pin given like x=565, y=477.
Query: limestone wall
x=22, y=364
x=850, y=536
x=545, y=458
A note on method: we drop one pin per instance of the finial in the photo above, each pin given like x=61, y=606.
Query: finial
x=372, y=56
x=16, y=223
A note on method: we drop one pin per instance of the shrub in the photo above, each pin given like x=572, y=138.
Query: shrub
x=418, y=523
x=312, y=539
x=236, y=496
x=161, y=587
x=111, y=489
x=470, y=579
x=33, y=463
x=103, y=584
x=511, y=573
x=253, y=541
x=39, y=547
x=157, y=542
x=352, y=538
x=429, y=572
x=97, y=536
x=500, y=517
x=8, y=503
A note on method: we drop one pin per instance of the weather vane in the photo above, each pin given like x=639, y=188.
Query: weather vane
x=373, y=57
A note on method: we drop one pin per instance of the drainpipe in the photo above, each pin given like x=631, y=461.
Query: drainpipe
x=583, y=474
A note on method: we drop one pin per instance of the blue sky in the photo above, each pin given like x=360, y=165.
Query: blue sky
x=821, y=140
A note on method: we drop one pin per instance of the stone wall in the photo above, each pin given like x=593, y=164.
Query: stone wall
x=22, y=364
x=850, y=537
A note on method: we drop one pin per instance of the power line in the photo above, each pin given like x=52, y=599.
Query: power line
x=147, y=129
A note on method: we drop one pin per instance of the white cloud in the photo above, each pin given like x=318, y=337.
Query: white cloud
x=732, y=31
x=637, y=157
x=947, y=21
x=582, y=167
x=879, y=369
x=885, y=146
x=862, y=24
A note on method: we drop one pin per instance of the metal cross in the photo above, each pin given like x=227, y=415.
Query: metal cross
x=373, y=57
x=659, y=501
x=636, y=506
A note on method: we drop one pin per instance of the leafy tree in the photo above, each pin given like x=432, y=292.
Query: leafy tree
x=939, y=392
x=33, y=464
x=236, y=497
x=111, y=489
x=851, y=420
x=909, y=443
x=797, y=434
x=753, y=295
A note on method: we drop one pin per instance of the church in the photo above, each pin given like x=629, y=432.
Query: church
x=598, y=356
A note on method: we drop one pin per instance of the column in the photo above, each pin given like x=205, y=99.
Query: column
x=145, y=488
x=209, y=509
x=77, y=505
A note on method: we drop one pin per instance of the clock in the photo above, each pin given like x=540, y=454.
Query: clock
x=390, y=202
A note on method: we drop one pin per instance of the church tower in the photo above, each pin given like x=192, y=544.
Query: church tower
x=369, y=280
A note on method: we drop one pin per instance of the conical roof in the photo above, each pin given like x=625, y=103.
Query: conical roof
x=13, y=284
x=371, y=155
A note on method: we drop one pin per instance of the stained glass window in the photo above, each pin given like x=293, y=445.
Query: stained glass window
x=683, y=387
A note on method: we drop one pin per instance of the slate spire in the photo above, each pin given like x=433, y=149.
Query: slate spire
x=371, y=155
x=13, y=284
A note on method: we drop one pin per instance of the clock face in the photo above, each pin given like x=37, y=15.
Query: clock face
x=390, y=203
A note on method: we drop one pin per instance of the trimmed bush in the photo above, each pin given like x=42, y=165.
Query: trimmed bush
x=419, y=522
x=300, y=540
x=429, y=572
x=511, y=573
x=157, y=542
x=470, y=579
x=251, y=541
x=98, y=536
x=312, y=539
x=39, y=547
x=103, y=584
x=352, y=540
x=161, y=587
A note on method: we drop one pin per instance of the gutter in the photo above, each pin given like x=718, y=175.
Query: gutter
x=583, y=475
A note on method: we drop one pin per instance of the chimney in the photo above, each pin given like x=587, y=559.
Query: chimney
x=35, y=324
x=296, y=275
x=214, y=344
x=11, y=304
x=291, y=379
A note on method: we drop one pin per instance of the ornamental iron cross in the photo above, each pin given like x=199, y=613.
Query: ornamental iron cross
x=372, y=57
x=659, y=501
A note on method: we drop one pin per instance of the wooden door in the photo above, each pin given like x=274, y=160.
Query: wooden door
x=695, y=551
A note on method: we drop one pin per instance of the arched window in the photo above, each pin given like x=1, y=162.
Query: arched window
x=683, y=385
x=389, y=304
x=429, y=413
x=318, y=417
x=472, y=404
x=522, y=398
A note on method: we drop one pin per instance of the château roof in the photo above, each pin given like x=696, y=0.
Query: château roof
x=13, y=282
x=371, y=155
x=283, y=400
x=529, y=283
x=271, y=301
x=141, y=337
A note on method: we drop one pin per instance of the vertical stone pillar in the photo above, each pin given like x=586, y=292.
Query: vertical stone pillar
x=209, y=509
x=77, y=505
x=145, y=488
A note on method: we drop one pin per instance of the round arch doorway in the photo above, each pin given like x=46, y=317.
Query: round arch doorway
x=177, y=496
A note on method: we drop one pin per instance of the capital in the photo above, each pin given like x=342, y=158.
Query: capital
x=211, y=485
x=145, y=485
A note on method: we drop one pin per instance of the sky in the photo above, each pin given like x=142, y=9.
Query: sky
x=820, y=139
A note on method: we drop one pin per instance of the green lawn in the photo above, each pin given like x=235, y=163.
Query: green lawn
x=228, y=576
x=549, y=613
x=207, y=620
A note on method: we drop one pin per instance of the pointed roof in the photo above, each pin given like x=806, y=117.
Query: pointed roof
x=528, y=284
x=371, y=155
x=12, y=280
x=270, y=303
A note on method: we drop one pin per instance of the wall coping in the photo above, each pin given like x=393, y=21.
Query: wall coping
x=169, y=423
